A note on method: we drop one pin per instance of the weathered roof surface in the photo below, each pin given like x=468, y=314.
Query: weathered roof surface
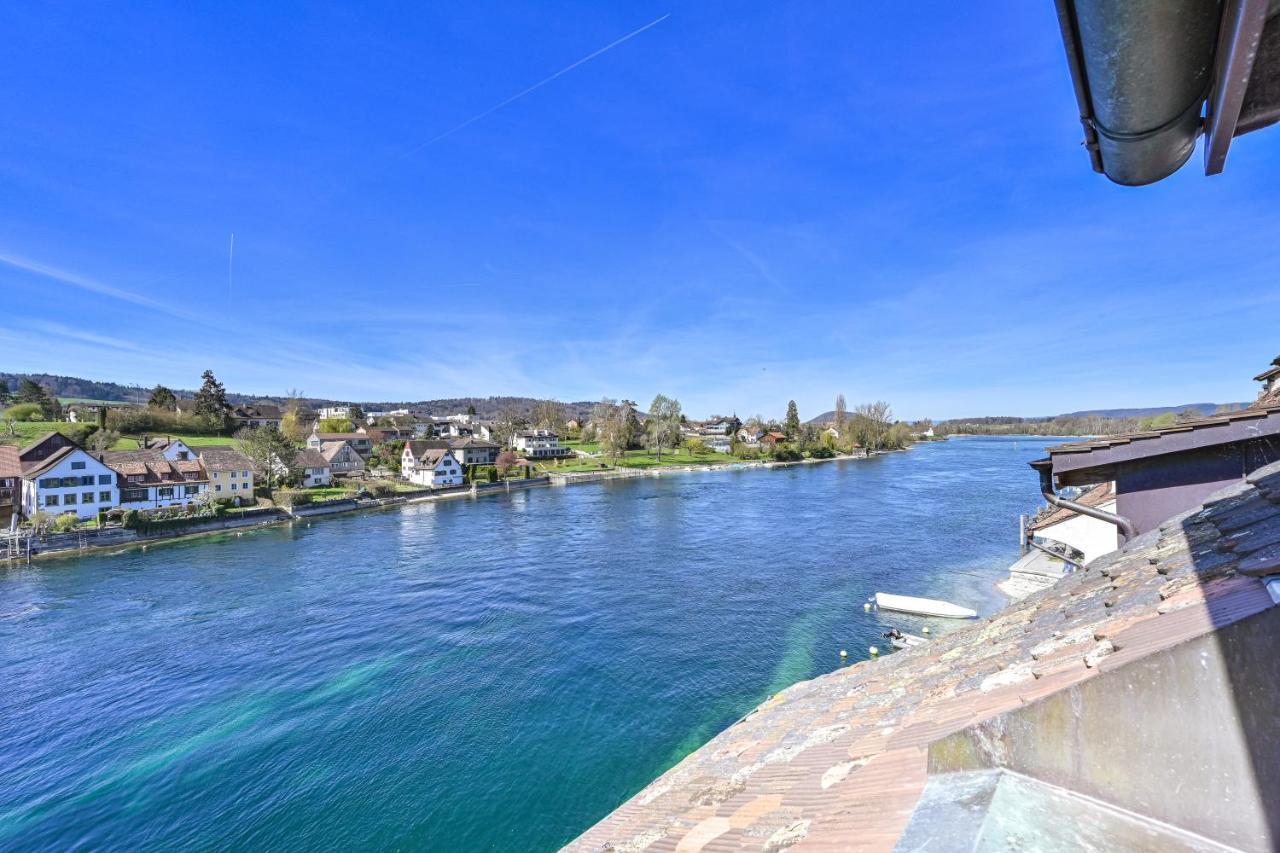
x=219, y=458
x=309, y=457
x=839, y=762
x=330, y=449
x=1257, y=421
x=1097, y=496
x=9, y=464
x=152, y=466
x=31, y=470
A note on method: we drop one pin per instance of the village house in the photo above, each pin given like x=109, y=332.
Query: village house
x=231, y=474
x=340, y=412
x=415, y=450
x=59, y=476
x=750, y=436
x=314, y=469
x=10, y=478
x=474, y=451
x=720, y=426
x=342, y=458
x=148, y=479
x=539, y=444
x=436, y=469
x=770, y=440
x=360, y=440
x=1162, y=472
x=257, y=415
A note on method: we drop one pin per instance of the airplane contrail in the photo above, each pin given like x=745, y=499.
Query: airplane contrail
x=544, y=81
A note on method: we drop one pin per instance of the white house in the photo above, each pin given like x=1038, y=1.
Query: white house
x=59, y=476
x=314, y=468
x=326, y=412
x=435, y=469
x=343, y=459
x=1089, y=536
x=149, y=480
x=539, y=444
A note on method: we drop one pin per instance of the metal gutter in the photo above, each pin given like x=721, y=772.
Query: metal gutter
x=1141, y=72
x=1045, y=468
x=1241, y=33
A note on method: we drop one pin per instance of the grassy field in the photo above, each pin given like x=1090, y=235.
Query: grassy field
x=87, y=401
x=131, y=442
x=29, y=431
x=634, y=459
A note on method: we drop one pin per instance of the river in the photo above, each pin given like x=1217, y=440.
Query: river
x=470, y=675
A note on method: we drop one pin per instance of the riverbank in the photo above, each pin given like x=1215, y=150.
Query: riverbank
x=114, y=539
x=305, y=680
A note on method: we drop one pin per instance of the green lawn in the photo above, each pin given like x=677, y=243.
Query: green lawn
x=131, y=442
x=29, y=431
x=635, y=459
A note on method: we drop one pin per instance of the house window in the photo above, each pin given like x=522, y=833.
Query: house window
x=217, y=488
x=50, y=500
x=192, y=490
x=50, y=483
x=86, y=481
x=129, y=496
x=233, y=487
x=77, y=466
x=104, y=497
x=68, y=500
x=245, y=474
x=233, y=473
x=104, y=479
x=166, y=493
x=86, y=498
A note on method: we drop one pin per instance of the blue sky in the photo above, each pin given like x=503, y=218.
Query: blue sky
x=743, y=203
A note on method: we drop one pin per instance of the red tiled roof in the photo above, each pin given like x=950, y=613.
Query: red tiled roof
x=9, y=464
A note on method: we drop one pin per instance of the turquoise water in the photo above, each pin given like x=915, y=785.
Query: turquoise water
x=487, y=675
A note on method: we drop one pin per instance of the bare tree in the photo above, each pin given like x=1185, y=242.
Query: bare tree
x=664, y=423
x=841, y=413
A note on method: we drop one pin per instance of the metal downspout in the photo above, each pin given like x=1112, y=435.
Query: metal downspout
x=1125, y=526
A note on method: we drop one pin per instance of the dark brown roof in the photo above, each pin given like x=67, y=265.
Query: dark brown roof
x=1096, y=496
x=418, y=446
x=258, y=411
x=341, y=436
x=30, y=470
x=1200, y=424
x=330, y=449
x=840, y=761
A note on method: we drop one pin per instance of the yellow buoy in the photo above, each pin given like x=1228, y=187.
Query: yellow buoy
x=843, y=653
x=867, y=607
x=874, y=651
x=924, y=630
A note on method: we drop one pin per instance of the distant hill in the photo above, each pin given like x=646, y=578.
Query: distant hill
x=1202, y=408
x=75, y=388
x=1149, y=412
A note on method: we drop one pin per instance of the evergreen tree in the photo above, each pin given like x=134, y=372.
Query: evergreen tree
x=211, y=400
x=793, y=420
x=4, y=394
x=471, y=410
x=162, y=398
x=30, y=392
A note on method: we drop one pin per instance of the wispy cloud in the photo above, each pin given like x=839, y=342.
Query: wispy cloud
x=91, y=285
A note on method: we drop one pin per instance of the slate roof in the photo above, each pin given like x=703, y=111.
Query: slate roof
x=258, y=411
x=1097, y=496
x=839, y=762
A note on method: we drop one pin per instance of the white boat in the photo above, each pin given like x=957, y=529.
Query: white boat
x=922, y=606
x=905, y=641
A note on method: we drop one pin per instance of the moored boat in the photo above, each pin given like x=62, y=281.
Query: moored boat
x=923, y=606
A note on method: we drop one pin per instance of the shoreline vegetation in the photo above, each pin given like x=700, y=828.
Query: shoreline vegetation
x=77, y=544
